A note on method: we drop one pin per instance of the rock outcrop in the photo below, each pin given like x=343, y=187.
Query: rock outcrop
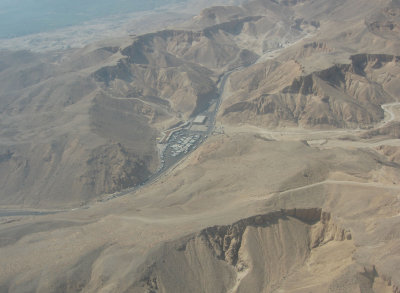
x=344, y=95
x=233, y=258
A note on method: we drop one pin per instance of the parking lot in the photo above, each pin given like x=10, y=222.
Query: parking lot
x=180, y=144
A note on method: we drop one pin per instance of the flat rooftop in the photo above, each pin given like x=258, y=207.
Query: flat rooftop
x=200, y=119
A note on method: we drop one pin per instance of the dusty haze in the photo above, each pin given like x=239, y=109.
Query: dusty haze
x=294, y=189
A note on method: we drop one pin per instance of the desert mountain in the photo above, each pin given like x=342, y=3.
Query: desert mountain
x=74, y=104
x=305, y=219
x=293, y=188
x=57, y=137
x=344, y=95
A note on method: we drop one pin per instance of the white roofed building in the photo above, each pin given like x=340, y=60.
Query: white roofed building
x=200, y=120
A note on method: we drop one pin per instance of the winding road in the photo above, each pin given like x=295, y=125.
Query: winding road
x=163, y=171
x=297, y=134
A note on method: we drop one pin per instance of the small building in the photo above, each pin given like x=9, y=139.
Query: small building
x=199, y=120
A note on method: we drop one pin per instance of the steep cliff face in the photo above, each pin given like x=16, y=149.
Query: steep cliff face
x=255, y=254
x=312, y=48
x=344, y=95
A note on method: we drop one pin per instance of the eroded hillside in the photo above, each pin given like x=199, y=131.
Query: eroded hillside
x=344, y=95
x=291, y=184
x=287, y=226
x=60, y=109
x=230, y=256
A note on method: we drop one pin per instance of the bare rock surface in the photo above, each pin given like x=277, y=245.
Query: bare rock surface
x=295, y=189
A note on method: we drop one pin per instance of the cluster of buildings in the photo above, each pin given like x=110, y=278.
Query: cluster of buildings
x=184, y=144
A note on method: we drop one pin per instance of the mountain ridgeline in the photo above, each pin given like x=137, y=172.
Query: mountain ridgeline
x=289, y=182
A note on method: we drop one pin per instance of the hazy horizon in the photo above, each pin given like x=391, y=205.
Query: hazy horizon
x=25, y=17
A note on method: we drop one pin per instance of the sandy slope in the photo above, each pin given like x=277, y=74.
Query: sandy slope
x=293, y=208
x=108, y=240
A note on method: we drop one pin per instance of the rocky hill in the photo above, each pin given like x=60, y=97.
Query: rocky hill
x=72, y=104
x=294, y=189
x=305, y=218
x=344, y=95
x=229, y=256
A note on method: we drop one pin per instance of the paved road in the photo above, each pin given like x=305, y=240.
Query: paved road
x=169, y=164
x=13, y=213
x=212, y=119
x=173, y=162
